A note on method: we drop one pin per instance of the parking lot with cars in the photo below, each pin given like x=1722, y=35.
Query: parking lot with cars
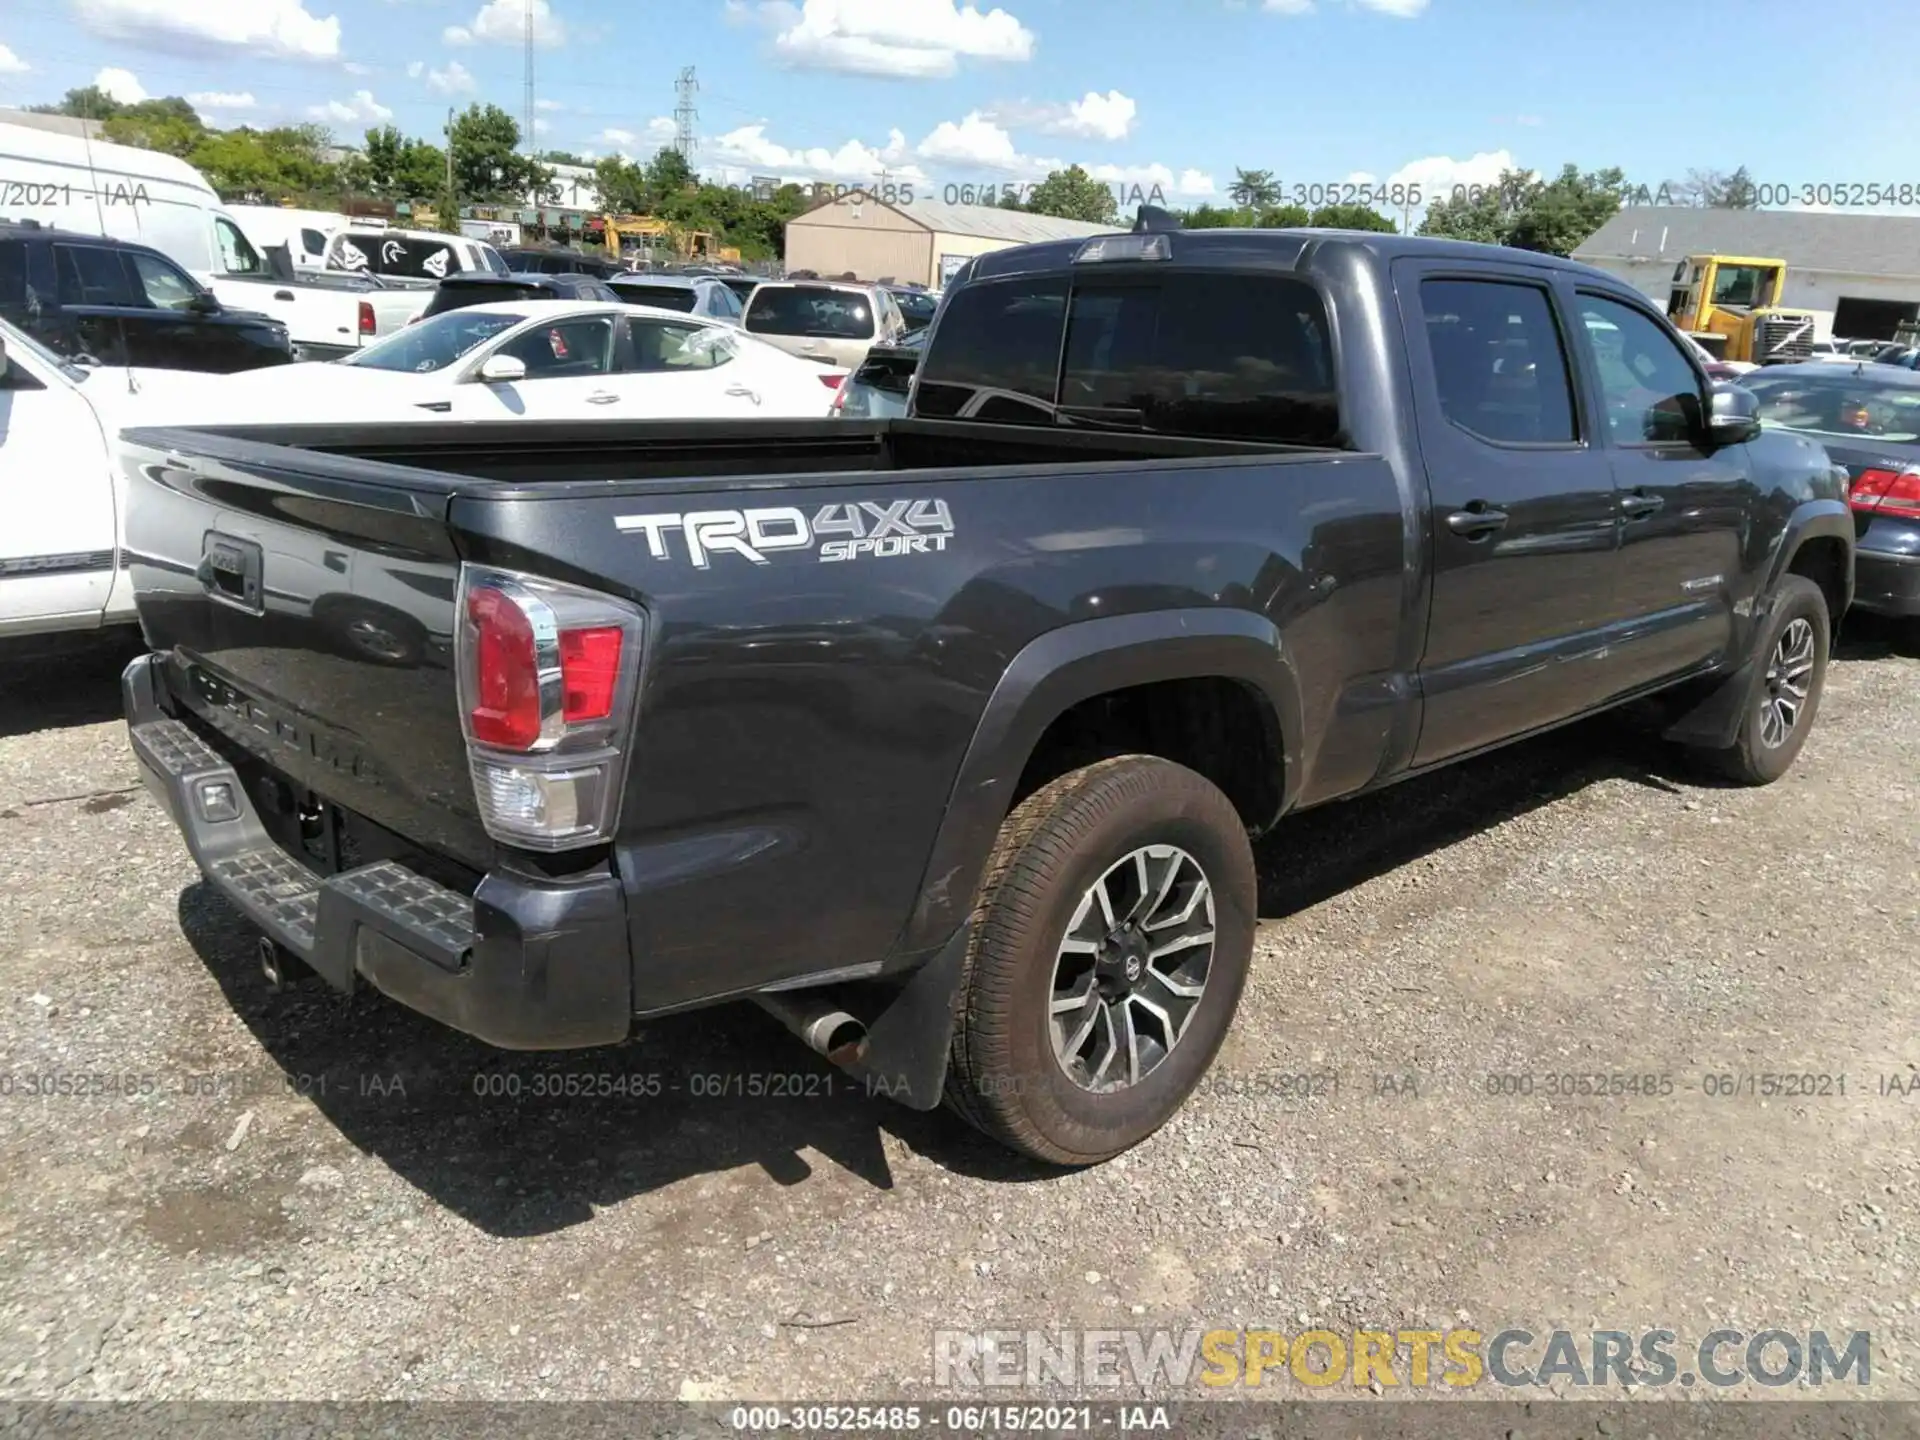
x=299, y=1196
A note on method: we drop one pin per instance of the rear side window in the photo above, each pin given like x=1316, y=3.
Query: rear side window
x=1232, y=357
x=92, y=275
x=998, y=353
x=313, y=242
x=13, y=272
x=1498, y=361
x=817, y=312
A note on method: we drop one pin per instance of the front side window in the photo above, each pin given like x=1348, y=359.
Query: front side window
x=1652, y=393
x=166, y=286
x=433, y=344
x=1498, y=364
x=564, y=349
x=13, y=272
x=237, y=255
x=92, y=275
x=662, y=347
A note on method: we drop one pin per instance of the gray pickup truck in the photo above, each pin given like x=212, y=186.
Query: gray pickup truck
x=945, y=737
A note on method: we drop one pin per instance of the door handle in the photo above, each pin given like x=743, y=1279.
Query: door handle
x=1476, y=521
x=283, y=295
x=744, y=392
x=602, y=397
x=1639, y=504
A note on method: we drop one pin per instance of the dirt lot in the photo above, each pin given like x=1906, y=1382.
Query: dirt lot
x=308, y=1197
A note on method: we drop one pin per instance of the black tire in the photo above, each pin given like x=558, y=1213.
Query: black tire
x=1759, y=756
x=1004, y=1077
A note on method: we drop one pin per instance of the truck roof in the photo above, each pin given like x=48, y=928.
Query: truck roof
x=1235, y=249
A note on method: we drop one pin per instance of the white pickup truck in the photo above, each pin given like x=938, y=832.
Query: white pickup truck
x=60, y=560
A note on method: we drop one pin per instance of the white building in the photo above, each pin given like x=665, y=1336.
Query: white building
x=574, y=188
x=1858, y=273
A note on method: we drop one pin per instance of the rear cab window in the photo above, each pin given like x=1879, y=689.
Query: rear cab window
x=1210, y=355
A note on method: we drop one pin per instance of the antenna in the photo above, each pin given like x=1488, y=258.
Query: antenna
x=529, y=94
x=684, y=114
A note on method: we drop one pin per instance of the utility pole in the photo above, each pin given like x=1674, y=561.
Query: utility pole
x=529, y=94
x=684, y=114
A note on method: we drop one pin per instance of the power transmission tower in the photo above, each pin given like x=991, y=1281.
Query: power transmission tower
x=529, y=94
x=684, y=114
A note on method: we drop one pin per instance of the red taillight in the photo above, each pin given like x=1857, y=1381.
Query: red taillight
x=1878, y=492
x=832, y=382
x=366, y=317
x=506, y=672
x=547, y=674
x=589, y=672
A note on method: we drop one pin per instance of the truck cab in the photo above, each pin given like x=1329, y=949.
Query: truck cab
x=1731, y=305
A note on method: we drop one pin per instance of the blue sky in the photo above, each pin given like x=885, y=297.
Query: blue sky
x=1173, y=93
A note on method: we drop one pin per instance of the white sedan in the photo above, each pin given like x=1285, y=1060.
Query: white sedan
x=538, y=360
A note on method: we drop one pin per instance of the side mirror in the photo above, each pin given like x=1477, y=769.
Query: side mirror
x=1733, y=414
x=502, y=369
x=204, y=303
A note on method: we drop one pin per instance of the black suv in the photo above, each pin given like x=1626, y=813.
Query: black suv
x=113, y=302
x=482, y=287
x=554, y=260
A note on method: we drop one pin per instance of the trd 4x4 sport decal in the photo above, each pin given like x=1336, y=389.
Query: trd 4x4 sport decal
x=854, y=531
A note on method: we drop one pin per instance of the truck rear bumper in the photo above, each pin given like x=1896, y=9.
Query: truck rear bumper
x=521, y=964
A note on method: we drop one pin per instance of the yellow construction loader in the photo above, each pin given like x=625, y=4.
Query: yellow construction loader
x=1731, y=305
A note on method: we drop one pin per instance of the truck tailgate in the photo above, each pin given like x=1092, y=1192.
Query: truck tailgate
x=311, y=623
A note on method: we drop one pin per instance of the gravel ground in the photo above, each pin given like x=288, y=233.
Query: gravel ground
x=311, y=1197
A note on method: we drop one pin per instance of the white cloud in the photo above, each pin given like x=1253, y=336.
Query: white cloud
x=12, y=64
x=977, y=142
x=548, y=105
x=416, y=68
x=282, y=29
x=541, y=127
x=456, y=79
x=657, y=132
x=1134, y=183
x=121, y=85
x=354, y=67
x=1436, y=175
x=362, y=109
x=911, y=39
x=748, y=148
x=504, y=22
x=1092, y=117
x=1401, y=9
x=1288, y=7
x=221, y=100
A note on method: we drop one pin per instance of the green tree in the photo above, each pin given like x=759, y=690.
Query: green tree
x=1351, y=217
x=1564, y=211
x=1283, y=217
x=398, y=167
x=1482, y=213
x=561, y=157
x=487, y=164
x=622, y=186
x=1253, y=189
x=89, y=102
x=669, y=173
x=1010, y=200
x=1073, y=194
x=168, y=125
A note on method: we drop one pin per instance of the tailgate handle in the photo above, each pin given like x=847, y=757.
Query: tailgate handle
x=229, y=571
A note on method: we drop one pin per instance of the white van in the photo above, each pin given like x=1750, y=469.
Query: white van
x=305, y=233
x=71, y=183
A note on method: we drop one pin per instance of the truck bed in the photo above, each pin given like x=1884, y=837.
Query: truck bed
x=678, y=455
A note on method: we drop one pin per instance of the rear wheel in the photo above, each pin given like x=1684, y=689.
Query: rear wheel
x=1111, y=942
x=1786, y=687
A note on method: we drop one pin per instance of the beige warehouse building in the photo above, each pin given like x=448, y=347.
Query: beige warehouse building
x=920, y=243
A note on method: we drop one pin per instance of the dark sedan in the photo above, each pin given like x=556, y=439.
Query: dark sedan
x=1868, y=417
x=483, y=287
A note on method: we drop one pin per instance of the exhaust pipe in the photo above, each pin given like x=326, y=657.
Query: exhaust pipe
x=825, y=1028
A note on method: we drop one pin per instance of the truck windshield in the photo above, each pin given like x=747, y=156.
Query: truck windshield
x=433, y=344
x=1741, y=285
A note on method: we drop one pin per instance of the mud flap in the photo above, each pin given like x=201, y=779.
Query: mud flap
x=905, y=1057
